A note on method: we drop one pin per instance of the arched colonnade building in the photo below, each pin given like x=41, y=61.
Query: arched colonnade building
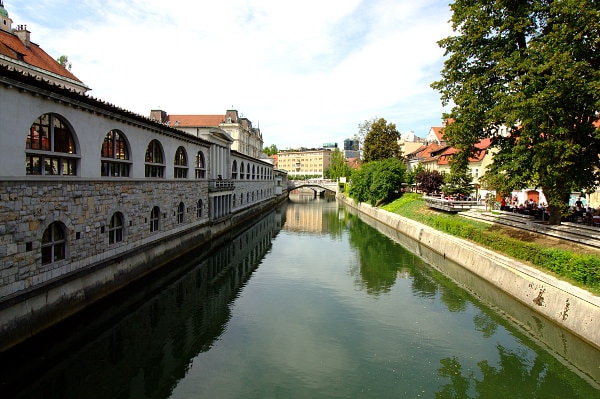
x=86, y=183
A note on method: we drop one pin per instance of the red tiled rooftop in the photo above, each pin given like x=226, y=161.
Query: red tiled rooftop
x=11, y=46
x=195, y=120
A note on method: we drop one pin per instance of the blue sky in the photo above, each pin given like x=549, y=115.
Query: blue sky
x=306, y=72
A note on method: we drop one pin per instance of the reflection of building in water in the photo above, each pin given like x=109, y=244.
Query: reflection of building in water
x=151, y=345
x=306, y=218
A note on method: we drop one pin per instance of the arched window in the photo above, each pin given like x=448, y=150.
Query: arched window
x=181, y=164
x=54, y=245
x=115, y=155
x=200, y=166
x=253, y=172
x=155, y=164
x=154, y=219
x=248, y=171
x=50, y=147
x=180, y=212
x=234, y=169
x=199, y=209
x=242, y=171
x=115, y=228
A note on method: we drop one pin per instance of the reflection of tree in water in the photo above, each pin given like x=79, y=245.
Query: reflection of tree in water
x=380, y=258
x=517, y=375
x=485, y=324
x=335, y=226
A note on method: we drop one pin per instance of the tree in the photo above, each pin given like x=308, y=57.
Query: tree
x=411, y=177
x=270, y=150
x=63, y=60
x=338, y=166
x=458, y=181
x=363, y=128
x=378, y=181
x=429, y=181
x=381, y=142
x=534, y=68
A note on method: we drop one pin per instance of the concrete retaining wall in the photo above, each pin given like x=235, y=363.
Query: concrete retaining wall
x=570, y=307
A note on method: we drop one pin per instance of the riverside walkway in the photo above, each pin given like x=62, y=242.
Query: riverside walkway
x=580, y=234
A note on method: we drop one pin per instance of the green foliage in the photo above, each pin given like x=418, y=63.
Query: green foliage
x=63, y=60
x=458, y=181
x=381, y=142
x=429, y=181
x=270, y=150
x=579, y=268
x=303, y=177
x=338, y=166
x=533, y=67
x=411, y=177
x=377, y=181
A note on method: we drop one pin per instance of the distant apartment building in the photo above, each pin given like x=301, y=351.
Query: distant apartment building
x=304, y=161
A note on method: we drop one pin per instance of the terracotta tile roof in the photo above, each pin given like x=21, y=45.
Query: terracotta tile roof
x=438, y=132
x=195, y=120
x=12, y=47
x=482, y=147
x=425, y=151
x=354, y=163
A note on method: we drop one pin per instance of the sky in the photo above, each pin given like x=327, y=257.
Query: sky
x=306, y=73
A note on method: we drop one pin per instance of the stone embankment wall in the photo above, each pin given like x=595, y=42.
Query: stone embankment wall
x=570, y=307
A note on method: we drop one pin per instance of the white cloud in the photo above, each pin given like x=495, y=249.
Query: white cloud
x=308, y=72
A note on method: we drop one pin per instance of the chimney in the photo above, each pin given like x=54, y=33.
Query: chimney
x=158, y=115
x=23, y=34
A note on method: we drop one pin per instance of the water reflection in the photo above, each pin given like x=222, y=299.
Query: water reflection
x=141, y=342
x=533, y=374
x=336, y=309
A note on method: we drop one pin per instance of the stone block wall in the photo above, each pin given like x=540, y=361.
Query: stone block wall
x=85, y=209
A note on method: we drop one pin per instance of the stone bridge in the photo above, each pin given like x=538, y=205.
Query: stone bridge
x=318, y=186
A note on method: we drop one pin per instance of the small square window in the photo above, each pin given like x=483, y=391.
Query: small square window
x=28, y=246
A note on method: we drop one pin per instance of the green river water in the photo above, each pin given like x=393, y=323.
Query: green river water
x=308, y=302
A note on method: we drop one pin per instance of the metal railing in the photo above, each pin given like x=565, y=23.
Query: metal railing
x=451, y=205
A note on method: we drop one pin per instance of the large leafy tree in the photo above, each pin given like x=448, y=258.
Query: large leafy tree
x=381, y=142
x=532, y=67
x=378, y=181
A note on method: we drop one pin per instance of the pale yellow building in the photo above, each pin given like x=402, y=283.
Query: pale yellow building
x=304, y=162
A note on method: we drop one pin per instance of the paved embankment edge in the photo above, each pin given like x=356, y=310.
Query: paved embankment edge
x=570, y=307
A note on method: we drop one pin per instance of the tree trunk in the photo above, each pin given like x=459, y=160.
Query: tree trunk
x=555, y=215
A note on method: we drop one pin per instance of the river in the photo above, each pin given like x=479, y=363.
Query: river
x=307, y=302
